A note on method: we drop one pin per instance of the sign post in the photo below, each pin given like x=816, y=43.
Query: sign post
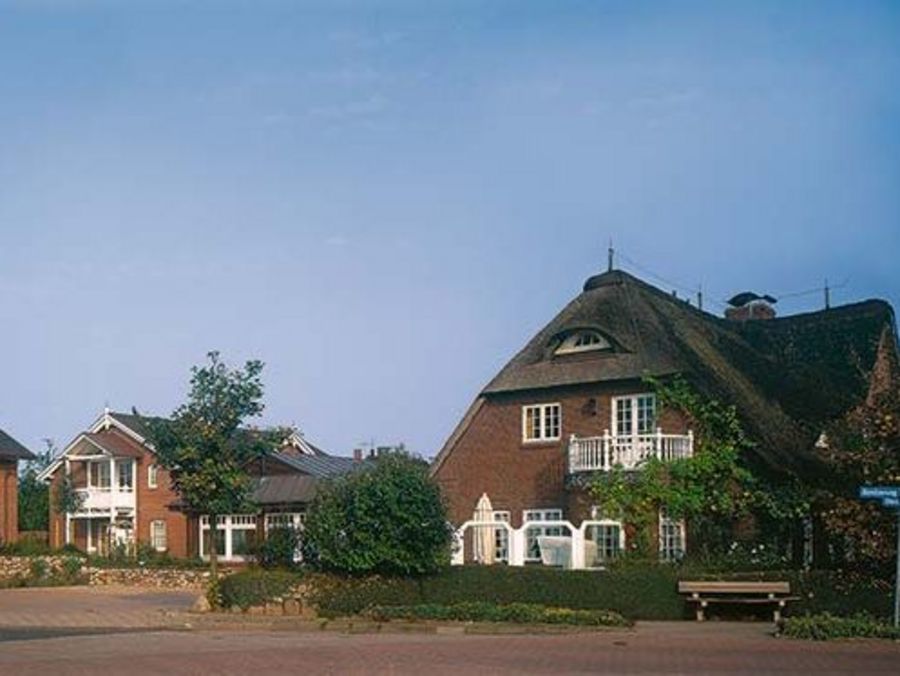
x=890, y=499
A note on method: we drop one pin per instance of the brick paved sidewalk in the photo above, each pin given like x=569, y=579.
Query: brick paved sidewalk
x=114, y=607
x=663, y=648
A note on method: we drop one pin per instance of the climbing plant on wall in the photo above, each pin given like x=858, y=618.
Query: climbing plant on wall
x=712, y=489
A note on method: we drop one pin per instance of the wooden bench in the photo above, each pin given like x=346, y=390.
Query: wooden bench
x=704, y=593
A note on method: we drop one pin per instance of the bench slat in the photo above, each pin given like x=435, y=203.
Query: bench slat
x=718, y=587
x=720, y=599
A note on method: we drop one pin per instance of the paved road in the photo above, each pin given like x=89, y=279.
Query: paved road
x=115, y=631
x=651, y=649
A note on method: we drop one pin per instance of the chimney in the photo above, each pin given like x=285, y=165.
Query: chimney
x=357, y=455
x=749, y=306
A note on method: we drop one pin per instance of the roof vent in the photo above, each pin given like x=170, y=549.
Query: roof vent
x=748, y=306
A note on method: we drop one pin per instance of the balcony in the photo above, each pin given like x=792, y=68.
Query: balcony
x=601, y=454
x=104, y=501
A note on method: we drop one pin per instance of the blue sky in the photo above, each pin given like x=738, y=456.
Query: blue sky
x=384, y=201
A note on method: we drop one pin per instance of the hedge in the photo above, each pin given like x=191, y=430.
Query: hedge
x=825, y=626
x=645, y=592
x=522, y=613
x=636, y=591
x=252, y=587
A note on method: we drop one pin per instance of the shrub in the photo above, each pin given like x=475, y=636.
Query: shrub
x=25, y=547
x=38, y=569
x=253, y=587
x=480, y=611
x=71, y=567
x=386, y=518
x=825, y=626
x=278, y=549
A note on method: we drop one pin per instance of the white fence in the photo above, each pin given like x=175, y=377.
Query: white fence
x=581, y=551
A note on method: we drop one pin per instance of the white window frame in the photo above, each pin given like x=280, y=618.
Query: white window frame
x=601, y=520
x=293, y=520
x=532, y=533
x=129, y=464
x=501, y=536
x=672, y=538
x=153, y=476
x=545, y=419
x=634, y=418
x=228, y=524
x=159, y=536
x=101, y=464
x=574, y=343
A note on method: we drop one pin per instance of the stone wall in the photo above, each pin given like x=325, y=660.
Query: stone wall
x=12, y=567
x=55, y=566
x=159, y=578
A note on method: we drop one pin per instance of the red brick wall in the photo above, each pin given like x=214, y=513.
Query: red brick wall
x=490, y=456
x=156, y=504
x=9, y=501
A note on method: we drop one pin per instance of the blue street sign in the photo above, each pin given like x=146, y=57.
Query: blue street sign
x=879, y=492
x=890, y=502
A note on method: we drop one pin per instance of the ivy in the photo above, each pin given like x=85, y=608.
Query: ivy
x=712, y=489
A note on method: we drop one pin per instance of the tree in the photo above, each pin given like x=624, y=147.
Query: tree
x=204, y=446
x=861, y=449
x=386, y=517
x=34, y=495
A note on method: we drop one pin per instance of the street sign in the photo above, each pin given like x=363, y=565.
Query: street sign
x=890, y=497
x=879, y=492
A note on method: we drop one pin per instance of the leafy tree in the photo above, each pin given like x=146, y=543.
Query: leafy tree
x=204, y=446
x=387, y=517
x=34, y=495
x=861, y=449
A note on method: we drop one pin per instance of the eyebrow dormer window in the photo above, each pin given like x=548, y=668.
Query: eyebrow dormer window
x=583, y=341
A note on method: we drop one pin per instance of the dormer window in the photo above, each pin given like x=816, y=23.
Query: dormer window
x=583, y=341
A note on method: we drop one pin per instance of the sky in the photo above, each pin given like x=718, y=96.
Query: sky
x=383, y=201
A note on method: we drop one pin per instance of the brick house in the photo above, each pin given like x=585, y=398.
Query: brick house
x=11, y=452
x=574, y=401
x=126, y=497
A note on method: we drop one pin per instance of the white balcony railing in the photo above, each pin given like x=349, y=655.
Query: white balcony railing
x=104, y=500
x=590, y=454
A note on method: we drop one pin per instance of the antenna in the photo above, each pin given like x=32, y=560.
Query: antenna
x=827, y=295
x=700, y=297
x=611, y=254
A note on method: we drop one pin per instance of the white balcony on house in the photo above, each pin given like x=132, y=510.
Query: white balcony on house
x=603, y=453
x=108, y=488
x=104, y=502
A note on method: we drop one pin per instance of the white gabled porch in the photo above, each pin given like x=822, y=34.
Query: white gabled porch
x=103, y=483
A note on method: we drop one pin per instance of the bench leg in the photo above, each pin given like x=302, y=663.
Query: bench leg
x=778, y=612
x=701, y=607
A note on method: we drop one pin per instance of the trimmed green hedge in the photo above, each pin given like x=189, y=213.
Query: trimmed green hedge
x=825, y=626
x=637, y=591
x=252, y=587
x=645, y=592
x=521, y=613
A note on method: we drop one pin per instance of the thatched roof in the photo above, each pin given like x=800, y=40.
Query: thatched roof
x=786, y=376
